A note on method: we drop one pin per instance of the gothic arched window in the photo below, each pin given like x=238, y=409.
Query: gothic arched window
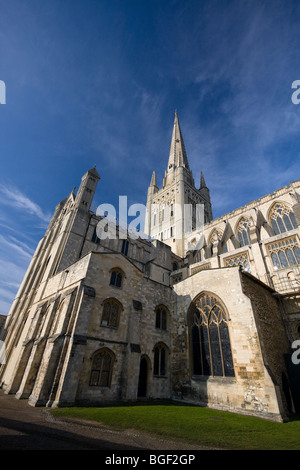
x=111, y=313
x=282, y=218
x=209, y=335
x=161, y=314
x=216, y=237
x=160, y=360
x=116, y=277
x=243, y=232
x=102, y=365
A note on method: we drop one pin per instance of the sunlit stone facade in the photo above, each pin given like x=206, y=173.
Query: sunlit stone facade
x=207, y=318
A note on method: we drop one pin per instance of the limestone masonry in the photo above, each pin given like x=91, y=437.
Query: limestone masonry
x=207, y=318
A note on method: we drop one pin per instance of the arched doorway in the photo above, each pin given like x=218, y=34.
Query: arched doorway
x=143, y=376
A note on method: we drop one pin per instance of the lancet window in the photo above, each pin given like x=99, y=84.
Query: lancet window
x=161, y=314
x=160, y=360
x=243, y=232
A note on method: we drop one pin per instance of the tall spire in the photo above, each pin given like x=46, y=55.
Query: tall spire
x=177, y=155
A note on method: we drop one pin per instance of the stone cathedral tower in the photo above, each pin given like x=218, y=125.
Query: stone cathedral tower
x=168, y=208
x=102, y=320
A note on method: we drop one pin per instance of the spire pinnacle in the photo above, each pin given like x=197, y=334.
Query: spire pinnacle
x=202, y=181
x=177, y=155
x=153, y=179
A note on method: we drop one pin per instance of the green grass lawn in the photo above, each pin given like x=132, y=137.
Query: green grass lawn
x=194, y=424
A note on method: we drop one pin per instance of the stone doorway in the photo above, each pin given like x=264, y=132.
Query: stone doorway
x=143, y=378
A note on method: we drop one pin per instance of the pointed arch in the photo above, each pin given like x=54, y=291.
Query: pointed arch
x=116, y=277
x=111, y=312
x=282, y=218
x=219, y=234
x=161, y=317
x=144, y=370
x=209, y=336
x=160, y=360
x=243, y=231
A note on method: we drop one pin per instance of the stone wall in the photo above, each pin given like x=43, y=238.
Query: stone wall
x=135, y=336
x=252, y=390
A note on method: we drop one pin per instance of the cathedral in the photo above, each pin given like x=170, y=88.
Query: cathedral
x=198, y=310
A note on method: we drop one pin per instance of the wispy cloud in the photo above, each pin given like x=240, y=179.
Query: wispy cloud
x=17, y=246
x=19, y=214
x=11, y=274
x=15, y=198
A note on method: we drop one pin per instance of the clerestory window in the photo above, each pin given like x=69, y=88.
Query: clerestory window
x=243, y=232
x=282, y=219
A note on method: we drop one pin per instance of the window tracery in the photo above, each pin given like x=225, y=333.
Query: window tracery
x=102, y=365
x=111, y=313
x=116, y=277
x=285, y=253
x=210, y=343
x=242, y=259
x=243, y=232
x=282, y=218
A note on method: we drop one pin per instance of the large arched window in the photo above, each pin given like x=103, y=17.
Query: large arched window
x=160, y=360
x=282, y=218
x=209, y=337
x=111, y=313
x=243, y=232
x=102, y=365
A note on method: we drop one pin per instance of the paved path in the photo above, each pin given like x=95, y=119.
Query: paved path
x=23, y=427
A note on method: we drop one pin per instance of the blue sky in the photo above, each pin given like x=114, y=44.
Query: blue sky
x=96, y=82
